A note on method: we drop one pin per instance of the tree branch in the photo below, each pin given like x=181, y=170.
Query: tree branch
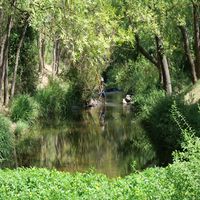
x=145, y=53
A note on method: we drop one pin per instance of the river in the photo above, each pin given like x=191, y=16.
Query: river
x=108, y=139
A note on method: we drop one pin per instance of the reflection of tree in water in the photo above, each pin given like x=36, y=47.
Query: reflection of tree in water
x=138, y=148
x=27, y=150
x=130, y=141
x=104, y=138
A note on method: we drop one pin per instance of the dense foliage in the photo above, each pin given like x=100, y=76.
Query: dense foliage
x=179, y=180
x=24, y=108
x=149, y=49
x=6, y=139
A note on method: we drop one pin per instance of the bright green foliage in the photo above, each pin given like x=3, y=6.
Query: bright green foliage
x=86, y=31
x=134, y=77
x=24, y=108
x=6, y=138
x=177, y=181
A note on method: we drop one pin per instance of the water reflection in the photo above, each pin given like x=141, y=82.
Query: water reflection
x=105, y=138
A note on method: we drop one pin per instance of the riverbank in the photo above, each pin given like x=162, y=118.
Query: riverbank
x=179, y=180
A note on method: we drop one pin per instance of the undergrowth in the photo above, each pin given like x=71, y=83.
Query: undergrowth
x=24, y=108
x=6, y=139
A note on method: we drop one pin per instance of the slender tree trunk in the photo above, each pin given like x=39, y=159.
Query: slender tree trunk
x=4, y=63
x=196, y=38
x=165, y=66
x=1, y=64
x=41, y=52
x=5, y=55
x=188, y=53
x=56, y=57
x=17, y=58
x=6, y=94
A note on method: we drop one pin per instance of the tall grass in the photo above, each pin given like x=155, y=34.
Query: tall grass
x=54, y=100
x=24, y=108
x=6, y=138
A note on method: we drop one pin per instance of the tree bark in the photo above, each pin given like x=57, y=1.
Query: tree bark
x=1, y=64
x=5, y=52
x=196, y=38
x=56, y=57
x=6, y=94
x=5, y=49
x=41, y=52
x=17, y=58
x=188, y=53
x=165, y=67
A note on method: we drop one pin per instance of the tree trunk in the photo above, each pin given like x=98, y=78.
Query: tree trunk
x=5, y=54
x=188, y=53
x=196, y=38
x=6, y=94
x=5, y=49
x=56, y=57
x=17, y=58
x=1, y=64
x=41, y=52
x=165, y=67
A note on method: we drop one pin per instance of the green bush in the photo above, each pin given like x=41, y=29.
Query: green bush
x=24, y=108
x=145, y=102
x=6, y=138
x=53, y=100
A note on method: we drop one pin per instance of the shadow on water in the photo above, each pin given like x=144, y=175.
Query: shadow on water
x=105, y=138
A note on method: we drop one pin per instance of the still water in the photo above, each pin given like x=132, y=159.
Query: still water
x=107, y=139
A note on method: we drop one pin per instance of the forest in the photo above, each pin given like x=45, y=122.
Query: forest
x=67, y=130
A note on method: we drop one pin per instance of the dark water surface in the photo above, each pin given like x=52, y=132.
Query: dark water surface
x=106, y=138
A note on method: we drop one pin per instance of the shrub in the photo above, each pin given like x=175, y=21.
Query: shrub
x=53, y=100
x=24, y=108
x=145, y=102
x=6, y=138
